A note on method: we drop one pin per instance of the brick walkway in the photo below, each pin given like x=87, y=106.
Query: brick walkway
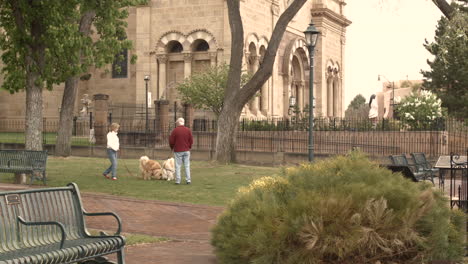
x=187, y=226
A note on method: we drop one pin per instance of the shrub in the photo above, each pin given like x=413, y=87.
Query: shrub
x=342, y=210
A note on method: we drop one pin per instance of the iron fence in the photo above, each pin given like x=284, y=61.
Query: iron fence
x=331, y=135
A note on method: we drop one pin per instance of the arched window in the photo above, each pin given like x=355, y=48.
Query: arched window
x=201, y=45
x=174, y=47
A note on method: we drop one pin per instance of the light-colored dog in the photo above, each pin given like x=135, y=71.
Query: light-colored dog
x=150, y=169
x=168, y=170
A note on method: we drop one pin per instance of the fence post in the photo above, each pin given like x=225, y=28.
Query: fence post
x=90, y=120
x=101, y=108
x=188, y=115
x=74, y=125
x=162, y=114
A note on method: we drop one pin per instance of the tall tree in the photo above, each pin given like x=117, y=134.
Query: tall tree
x=236, y=96
x=448, y=74
x=108, y=19
x=32, y=53
x=49, y=42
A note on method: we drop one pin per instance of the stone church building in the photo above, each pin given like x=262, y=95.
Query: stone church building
x=176, y=38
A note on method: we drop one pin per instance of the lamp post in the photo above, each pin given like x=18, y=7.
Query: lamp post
x=147, y=78
x=311, y=36
x=393, y=93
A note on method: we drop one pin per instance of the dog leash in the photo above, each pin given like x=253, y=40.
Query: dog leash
x=125, y=165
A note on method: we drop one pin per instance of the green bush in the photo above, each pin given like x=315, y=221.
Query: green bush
x=341, y=210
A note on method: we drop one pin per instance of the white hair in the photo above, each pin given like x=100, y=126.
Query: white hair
x=180, y=121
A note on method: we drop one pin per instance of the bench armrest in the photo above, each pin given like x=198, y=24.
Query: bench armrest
x=60, y=225
x=119, y=222
x=38, y=164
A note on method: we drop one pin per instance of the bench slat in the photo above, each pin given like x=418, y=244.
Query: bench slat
x=41, y=244
x=24, y=161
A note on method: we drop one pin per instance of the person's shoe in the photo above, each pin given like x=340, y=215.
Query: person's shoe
x=106, y=176
x=114, y=178
x=188, y=182
x=177, y=183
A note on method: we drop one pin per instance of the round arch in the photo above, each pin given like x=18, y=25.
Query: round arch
x=171, y=36
x=202, y=34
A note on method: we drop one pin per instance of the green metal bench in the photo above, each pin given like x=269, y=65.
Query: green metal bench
x=417, y=171
x=25, y=161
x=419, y=158
x=47, y=226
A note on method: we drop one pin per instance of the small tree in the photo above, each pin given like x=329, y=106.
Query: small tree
x=418, y=111
x=205, y=90
x=357, y=108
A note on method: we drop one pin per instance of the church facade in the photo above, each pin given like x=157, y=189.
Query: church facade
x=176, y=38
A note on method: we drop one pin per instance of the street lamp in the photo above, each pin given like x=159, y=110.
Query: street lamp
x=311, y=36
x=393, y=93
x=147, y=78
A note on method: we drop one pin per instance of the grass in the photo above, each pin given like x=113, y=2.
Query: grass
x=212, y=184
x=48, y=138
x=134, y=239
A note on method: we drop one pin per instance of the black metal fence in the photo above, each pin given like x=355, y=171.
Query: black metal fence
x=331, y=135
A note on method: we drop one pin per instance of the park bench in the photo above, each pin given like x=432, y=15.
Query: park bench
x=47, y=226
x=419, y=158
x=404, y=170
x=25, y=161
x=401, y=161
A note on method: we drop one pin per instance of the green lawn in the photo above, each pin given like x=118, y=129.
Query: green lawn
x=212, y=184
x=48, y=138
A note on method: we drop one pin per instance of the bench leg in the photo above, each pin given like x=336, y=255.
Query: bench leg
x=121, y=256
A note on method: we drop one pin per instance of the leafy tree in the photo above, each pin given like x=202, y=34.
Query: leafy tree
x=419, y=111
x=357, y=102
x=448, y=76
x=108, y=20
x=205, y=90
x=357, y=108
x=32, y=54
x=48, y=42
x=236, y=95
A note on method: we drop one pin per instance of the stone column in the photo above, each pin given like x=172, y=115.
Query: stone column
x=337, y=96
x=255, y=101
x=330, y=96
x=162, y=115
x=101, y=112
x=246, y=109
x=264, y=95
x=189, y=112
x=162, y=59
x=213, y=56
x=300, y=96
x=187, y=64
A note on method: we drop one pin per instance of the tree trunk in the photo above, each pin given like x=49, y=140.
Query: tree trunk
x=63, y=146
x=235, y=98
x=226, y=139
x=33, y=113
x=444, y=7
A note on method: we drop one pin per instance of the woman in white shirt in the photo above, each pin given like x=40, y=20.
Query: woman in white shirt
x=112, y=148
x=374, y=110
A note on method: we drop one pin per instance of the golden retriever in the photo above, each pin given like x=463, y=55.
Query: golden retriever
x=150, y=169
x=168, y=170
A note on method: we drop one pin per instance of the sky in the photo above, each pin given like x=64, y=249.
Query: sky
x=386, y=37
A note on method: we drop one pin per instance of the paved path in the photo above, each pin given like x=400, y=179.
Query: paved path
x=187, y=226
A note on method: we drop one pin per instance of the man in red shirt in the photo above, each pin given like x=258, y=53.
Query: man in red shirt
x=181, y=141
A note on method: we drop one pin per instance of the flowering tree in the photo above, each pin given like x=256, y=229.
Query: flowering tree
x=420, y=110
